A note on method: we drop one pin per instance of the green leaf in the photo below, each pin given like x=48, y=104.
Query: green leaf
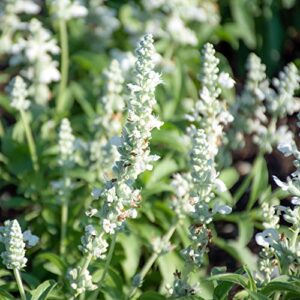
x=164, y=168
x=279, y=284
x=229, y=176
x=54, y=263
x=231, y=277
x=260, y=180
x=4, y=295
x=257, y=296
x=132, y=249
x=244, y=21
x=43, y=290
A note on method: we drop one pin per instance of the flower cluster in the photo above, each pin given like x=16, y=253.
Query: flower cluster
x=109, y=123
x=93, y=243
x=10, y=21
x=209, y=111
x=172, y=19
x=18, y=94
x=135, y=158
x=201, y=186
x=15, y=241
x=80, y=281
x=121, y=199
x=12, y=238
x=281, y=249
x=35, y=52
x=195, y=191
x=282, y=102
x=99, y=15
x=259, y=107
x=66, y=143
x=68, y=9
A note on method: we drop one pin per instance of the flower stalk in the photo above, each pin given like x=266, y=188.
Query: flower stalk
x=19, y=283
x=30, y=140
x=64, y=70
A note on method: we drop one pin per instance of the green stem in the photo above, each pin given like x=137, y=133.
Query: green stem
x=64, y=220
x=64, y=69
x=294, y=238
x=64, y=213
x=86, y=262
x=109, y=257
x=20, y=284
x=30, y=140
x=151, y=260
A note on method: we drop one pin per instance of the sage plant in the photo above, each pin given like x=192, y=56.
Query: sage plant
x=108, y=123
x=280, y=252
x=196, y=190
x=66, y=161
x=210, y=112
x=14, y=255
x=11, y=22
x=261, y=106
x=35, y=51
x=18, y=95
x=63, y=11
x=120, y=197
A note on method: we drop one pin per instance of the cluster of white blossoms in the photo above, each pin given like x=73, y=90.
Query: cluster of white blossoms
x=195, y=192
x=66, y=143
x=281, y=101
x=80, y=281
x=15, y=242
x=120, y=197
x=109, y=122
x=259, y=107
x=171, y=19
x=35, y=51
x=18, y=94
x=93, y=243
x=281, y=251
x=99, y=15
x=68, y=9
x=10, y=22
x=209, y=111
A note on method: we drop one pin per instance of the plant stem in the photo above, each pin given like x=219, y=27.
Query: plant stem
x=20, y=284
x=64, y=69
x=30, y=140
x=86, y=262
x=64, y=214
x=64, y=219
x=109, y=257
x=151, y=260
x=294, y=238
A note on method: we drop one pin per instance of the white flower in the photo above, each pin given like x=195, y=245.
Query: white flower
x=295, y=200
x=267, y=238
x=286, y=148
x=68, y=9
x=281, y=184
x=18, y=94
x=179, y=32
x=108, y=226
x=220, y=185
x=96, y=193
x=226, y=81
x=66, y=142
x=222, y=209
x=30, y=239
x=12, y=238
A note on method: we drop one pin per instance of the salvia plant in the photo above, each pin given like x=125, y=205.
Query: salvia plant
x=149, y=150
